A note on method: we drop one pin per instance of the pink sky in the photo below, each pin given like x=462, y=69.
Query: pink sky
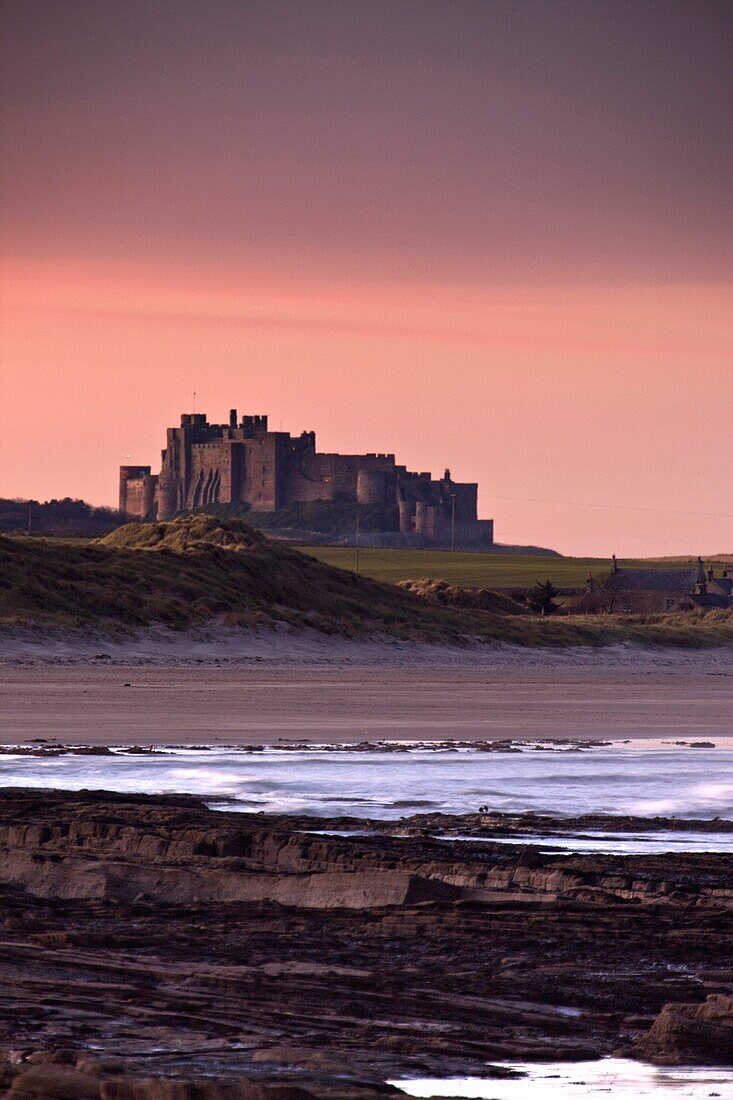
x=493, y=238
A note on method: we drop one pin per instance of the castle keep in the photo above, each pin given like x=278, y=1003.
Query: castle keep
x=243, y=462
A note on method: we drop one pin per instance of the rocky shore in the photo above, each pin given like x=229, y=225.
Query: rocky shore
x=149, y=941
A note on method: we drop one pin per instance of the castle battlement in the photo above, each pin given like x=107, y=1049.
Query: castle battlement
x=243, y=462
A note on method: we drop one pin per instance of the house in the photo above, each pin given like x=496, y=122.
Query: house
x=714, y=595
x=650, y=591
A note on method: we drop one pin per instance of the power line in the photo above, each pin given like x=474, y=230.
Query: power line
x=623, y=507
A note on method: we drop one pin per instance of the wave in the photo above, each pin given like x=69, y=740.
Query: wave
x=616, y=780
x=406, y=804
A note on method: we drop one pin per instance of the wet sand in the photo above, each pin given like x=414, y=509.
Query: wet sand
x=336, y=691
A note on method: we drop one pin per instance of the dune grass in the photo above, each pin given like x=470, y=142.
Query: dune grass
x=199, y=570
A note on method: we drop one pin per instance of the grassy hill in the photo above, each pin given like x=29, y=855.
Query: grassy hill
x=498, y=571
x=199, y=570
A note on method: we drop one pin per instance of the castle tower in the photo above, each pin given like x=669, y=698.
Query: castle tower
x=370, y=486
x=137, y=491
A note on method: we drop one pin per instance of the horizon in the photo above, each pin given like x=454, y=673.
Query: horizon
x=487, y=237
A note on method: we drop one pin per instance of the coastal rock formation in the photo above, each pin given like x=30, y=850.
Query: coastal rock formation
x=122, y=848
x=691, y=1033
x=72, y=1075
x=213, y=950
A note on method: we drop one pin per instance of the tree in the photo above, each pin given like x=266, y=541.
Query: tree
x=542, y=598
x=613, y=592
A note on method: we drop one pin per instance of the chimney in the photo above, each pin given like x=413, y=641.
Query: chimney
x=232, y=418
x=615, y=563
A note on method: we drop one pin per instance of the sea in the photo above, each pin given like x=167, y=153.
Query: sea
x=642, y=779
x=619, y=1078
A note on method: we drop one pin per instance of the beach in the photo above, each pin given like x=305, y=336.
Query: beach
x=242, y=688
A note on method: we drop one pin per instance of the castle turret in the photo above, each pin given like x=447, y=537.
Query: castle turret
x=167, y=497
x=370, y=486
x=427, y=519
x=406, y=514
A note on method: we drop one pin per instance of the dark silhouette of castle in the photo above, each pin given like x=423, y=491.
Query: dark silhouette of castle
x=242, y=462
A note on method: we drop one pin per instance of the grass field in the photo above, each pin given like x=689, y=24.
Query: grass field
x=487, y=570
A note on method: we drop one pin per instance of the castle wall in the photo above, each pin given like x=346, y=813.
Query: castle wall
x=479, y=533
x=232, y=471
x=204, y=468
x=302, y=491
x=466, y=495
x=312, y=476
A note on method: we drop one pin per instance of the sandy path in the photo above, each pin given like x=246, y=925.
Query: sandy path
x=401, y=694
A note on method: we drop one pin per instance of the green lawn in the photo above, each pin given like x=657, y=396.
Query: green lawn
x=485, y=570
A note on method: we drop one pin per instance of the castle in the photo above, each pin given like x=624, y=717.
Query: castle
x=243, y=462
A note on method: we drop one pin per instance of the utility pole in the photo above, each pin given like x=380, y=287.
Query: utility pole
x=30, y=517
x=356, y=548
x=453, y=523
